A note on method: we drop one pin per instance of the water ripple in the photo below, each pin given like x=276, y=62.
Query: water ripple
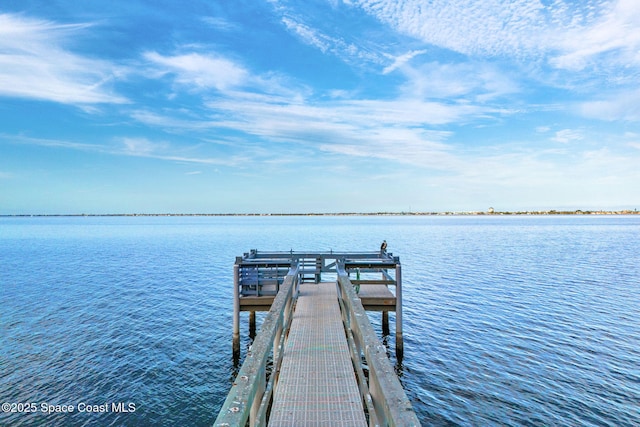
x=508, y=321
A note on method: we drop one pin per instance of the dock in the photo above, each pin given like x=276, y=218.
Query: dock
x=317, y=360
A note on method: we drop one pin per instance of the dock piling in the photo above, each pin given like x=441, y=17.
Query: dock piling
x=252, y=324
x=385, y=323
x=236, y=312
x=399, y=340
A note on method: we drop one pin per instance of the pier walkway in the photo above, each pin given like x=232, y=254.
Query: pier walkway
x=317, y=360
x=317, y=383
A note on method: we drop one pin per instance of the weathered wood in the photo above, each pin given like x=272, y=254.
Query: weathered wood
x=249, y=386
x=255, y=303
x=373, y=282
x=326, y=261
x=377, y=298
x=399, y=338
x=252, y=324
x=385, y=323
x=369, y=264
x=390, y=401
x=236, y=313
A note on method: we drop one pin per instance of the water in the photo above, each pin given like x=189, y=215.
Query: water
x=508, y=320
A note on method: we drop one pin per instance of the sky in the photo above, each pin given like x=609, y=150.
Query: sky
x=298, y=106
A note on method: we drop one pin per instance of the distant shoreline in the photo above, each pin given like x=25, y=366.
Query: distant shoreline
x=446, y=213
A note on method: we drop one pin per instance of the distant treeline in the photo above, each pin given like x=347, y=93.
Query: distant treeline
x=490, y=212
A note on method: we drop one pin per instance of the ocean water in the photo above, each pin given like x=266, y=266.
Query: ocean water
x=509, y=320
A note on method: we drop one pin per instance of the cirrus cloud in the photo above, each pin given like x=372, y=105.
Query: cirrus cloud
x=201, y=71
x=36, y=63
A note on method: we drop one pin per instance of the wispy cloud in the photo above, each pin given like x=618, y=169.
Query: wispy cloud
x=132, y=147
x=347, y=123
x=477, y=81
x=201, y=71
x=570, y=35
x=214, y=73
x=163, y=150
x=617, y=106
x=404, y=146
x=36, y=63
x=271, y=106
x=46, y=142
x=349, y=51
x=491, y=27
x=568, y=135
x=401, y=60
x=220, y=23
x=141, y=146
x=169, y=120
x=394, y=129
x=309, y=35
x=616, y=33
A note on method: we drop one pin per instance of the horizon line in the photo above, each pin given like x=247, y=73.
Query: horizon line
x=380, y=213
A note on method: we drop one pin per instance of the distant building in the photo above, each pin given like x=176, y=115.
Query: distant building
x=491, y=210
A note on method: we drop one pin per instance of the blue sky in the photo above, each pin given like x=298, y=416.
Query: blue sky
x=318, y=105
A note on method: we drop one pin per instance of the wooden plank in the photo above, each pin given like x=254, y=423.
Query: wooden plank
x=375, y=291
x=255, y=303
x=377, y=298
x=372, y=282
x=350, y=264
x=317, y=384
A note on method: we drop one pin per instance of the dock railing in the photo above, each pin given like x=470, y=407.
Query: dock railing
x=382, y=394
x=251, y=394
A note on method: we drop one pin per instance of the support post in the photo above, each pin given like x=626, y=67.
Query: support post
x=252, y=324
x=399, y=340
x=318, y=270
x=236, y=312
x=385, y=323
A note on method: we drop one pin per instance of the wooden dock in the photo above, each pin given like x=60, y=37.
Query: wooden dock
x=306, y=366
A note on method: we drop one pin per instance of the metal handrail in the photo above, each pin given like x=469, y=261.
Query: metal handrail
x=390, y=403
x=251, y=394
